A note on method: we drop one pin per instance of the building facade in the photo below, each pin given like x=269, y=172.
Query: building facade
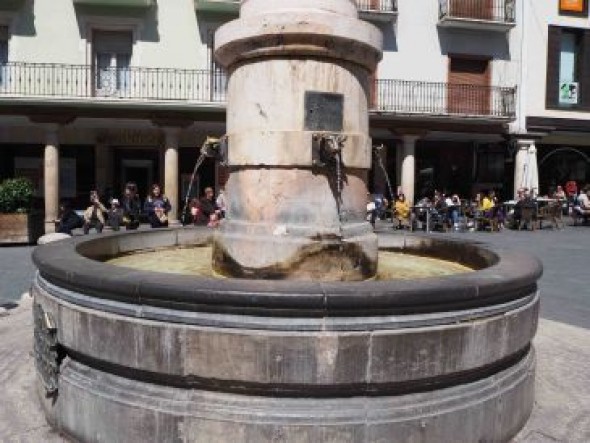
x=554, y=95
x=95, y=93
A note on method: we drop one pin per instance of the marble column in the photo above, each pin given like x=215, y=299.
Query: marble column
x=408, y=168
x=526, y=173
x=171, y=171
x=51, y=178
x=399, y=158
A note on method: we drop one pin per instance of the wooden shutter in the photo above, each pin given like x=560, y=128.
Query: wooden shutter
x=468, y=89
x=478, y=9
x=553, y=58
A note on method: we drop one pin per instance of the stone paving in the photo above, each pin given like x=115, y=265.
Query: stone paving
x=562, y=404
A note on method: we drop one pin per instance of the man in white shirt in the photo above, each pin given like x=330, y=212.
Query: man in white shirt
x=582, y=209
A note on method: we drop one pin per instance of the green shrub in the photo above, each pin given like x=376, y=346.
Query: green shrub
x=16, y=195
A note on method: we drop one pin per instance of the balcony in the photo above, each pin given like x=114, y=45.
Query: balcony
x=116, y=3
x=377, y=10
x=490, y=15
x=81, y=85
x=371, y=10
x=405, y=98
x=39, y=82
x=218, y=6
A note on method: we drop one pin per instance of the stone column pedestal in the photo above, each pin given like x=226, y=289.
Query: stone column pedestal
x=299, y=146
x=51, y=179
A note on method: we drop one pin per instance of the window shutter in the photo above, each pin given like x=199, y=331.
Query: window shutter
x=553, y=58
x=584, y=70
x=3, y=33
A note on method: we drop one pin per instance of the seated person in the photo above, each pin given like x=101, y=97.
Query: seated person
x=439, y=213
x=157, y=207
x=454, y=209
x=582, y=208
x=371, y=210
x=381, y=204
x=525, y=202
x=115, y=215
x=559, y=194
x=207, y=212
x=68, y=219
x=401, y=211
x=221, y=203
x=131, y=206
x=94, y=214
x=487, y=203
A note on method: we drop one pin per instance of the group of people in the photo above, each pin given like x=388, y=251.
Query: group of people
x=483, y=211
x=128, y=211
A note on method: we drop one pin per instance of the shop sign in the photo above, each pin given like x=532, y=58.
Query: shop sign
x=571, y=6
x=568, y=93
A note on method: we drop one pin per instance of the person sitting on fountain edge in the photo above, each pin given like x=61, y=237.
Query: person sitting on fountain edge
x=157, y=207
x=131, y=206
x=68, y=219
x=401, y=212
x=94, y=214
x=207, y=213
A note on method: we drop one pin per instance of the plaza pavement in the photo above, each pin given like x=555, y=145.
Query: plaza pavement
x=562, y=401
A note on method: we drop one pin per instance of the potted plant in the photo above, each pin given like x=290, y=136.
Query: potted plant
x=17, y=222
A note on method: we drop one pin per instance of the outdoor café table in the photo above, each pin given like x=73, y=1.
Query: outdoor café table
x=416, y=211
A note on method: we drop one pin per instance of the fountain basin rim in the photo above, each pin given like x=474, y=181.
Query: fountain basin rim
x=509, y=276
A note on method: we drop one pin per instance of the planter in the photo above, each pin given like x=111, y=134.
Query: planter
x=20, y=228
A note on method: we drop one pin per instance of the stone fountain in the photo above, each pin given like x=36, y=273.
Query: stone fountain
x=299, y=341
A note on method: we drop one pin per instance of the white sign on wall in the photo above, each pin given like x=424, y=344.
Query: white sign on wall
x=568, y=93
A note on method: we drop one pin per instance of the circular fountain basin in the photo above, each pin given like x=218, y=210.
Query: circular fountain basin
x=196, y=261
x=155, y=356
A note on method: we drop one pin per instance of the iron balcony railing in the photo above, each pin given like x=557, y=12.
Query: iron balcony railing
x=59, y=81
x=376, y=6
x=133, y=83
x=443, y=99
x=373, y=6
x=486, y=10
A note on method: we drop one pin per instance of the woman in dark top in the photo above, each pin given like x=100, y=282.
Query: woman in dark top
x=156, y=207
x=131, y=206
x=68, y=220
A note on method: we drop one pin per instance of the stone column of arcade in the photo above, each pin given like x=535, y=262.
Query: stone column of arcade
x=171, y=172
x=51, y=178
x=408, y=167
x=299, y=149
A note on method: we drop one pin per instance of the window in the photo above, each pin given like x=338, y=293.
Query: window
x=3, y=55
x=568, y=68
x=112, y=59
